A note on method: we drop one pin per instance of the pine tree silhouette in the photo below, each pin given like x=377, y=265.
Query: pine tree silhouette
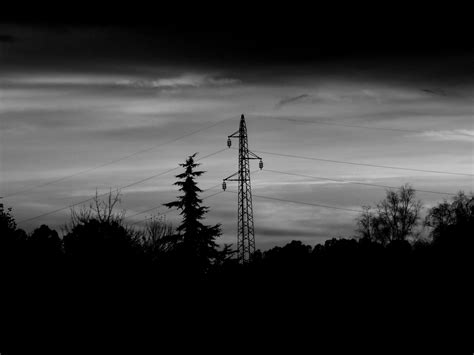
x=196, y=240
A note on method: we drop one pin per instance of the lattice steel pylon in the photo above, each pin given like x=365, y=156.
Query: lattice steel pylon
x=245, y=226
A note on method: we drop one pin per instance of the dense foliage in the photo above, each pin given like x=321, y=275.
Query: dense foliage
x=109, y=276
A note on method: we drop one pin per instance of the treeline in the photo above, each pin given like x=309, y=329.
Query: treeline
x=104, y=270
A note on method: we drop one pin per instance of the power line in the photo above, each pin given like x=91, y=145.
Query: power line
x=357, y=126
x=168, y=171
x=362, y=164
x=356, y=182
x=161, y=205
x=304, y=203
x=212, y=195
x=145, y=211
x=149, y=218
x=117, y=189
x=205, y=128
x=172, y=210
x=115, y=160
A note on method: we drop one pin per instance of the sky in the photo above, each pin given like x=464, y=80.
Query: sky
x=91, y=105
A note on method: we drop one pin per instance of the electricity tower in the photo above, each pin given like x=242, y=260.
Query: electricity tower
x=245, y=228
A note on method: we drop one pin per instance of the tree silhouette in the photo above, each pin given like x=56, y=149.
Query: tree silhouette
x=452, y=220
x=45, y=243
x=393, y=219
x=108, y=271
x=158, y=239
x=7, y=222
x=97, y=235
x=96, y=241
x=12, y=239
x=197, y=241
x=102, y=210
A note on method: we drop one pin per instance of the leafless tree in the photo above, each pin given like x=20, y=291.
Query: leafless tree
x=364, y=223
x=103, y=210
x=394, y=218
x=158, y=236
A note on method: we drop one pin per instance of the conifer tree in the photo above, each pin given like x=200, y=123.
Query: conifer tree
x=197, y=241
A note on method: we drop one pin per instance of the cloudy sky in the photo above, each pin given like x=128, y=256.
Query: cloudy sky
x=87, y=106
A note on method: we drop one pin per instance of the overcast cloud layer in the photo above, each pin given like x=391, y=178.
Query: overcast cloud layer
x=62, y=115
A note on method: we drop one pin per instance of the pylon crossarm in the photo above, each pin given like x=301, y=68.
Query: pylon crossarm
x=252, y=156
x=229, y=177
x=234, y=135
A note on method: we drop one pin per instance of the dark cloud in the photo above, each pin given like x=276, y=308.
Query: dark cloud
x=289, y=100
x=242, y=38
x=6, y=38
x=106, y=80
x=144, y=133
x=436, y=92
x=282, y=232
x=44, y=119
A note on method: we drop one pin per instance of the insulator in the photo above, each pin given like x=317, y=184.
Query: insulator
x=229, y=142
x=224, y=185
x=260, y=164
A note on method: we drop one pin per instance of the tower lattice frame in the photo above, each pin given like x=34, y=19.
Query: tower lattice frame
x=245, y=223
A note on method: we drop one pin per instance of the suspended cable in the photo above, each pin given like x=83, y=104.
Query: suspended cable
x=357, y=126
x=302, y=203
x=161, y=205
x=117, y=189
x=115, y=160
x=362, y=164
x=356, y=182
x=169, y=211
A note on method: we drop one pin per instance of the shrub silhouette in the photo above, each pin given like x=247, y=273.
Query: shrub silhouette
x=100, y=242
x=45, y=243
x=12, y=240
x=452, y=223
